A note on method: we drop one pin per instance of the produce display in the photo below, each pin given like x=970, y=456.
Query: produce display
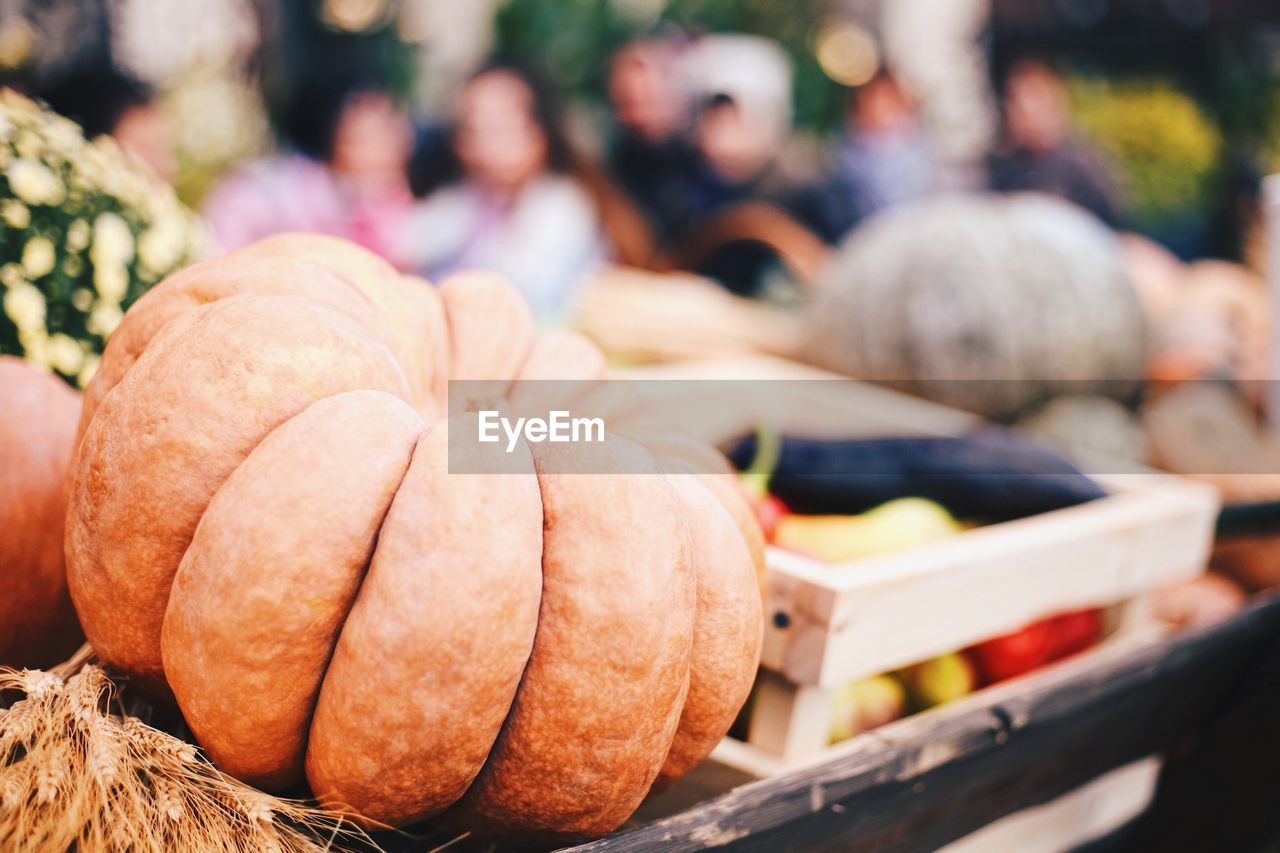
x=263, y=528
x=872, y=702
x=38, y=415
x=828, y=475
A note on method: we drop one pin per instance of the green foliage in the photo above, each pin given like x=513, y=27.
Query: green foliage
x=1168, y=152
x=1271, y=141
x=574, y=40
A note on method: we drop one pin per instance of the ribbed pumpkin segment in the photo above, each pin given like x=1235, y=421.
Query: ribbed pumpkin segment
x=272, y=570
x=432, y=652
x=604, y=687
x=410, y=323
x=169, y=435
x=727, y=630
x=490, y=326
x=209, y=281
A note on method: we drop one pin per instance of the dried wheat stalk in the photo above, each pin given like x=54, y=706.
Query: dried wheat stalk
x=75, y=775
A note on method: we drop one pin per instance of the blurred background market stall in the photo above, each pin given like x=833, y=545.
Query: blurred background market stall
x=844, y=182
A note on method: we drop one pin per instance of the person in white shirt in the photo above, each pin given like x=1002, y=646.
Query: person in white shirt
x=511, y=199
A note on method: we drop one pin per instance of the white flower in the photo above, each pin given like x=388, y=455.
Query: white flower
x=78, y=235
x=64, y=354
x=104, y=319
x=25, y=306
x=38, y=257
x=34, y=182
x=12, y=275
x=15, y=214
x=35, y=345
x=160, y=247
x=82, y=298
x=111, y=282
x=112, y=241
x=28, y=144
x=62, y=134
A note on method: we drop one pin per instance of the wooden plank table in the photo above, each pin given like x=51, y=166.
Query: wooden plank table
x=1207, y=698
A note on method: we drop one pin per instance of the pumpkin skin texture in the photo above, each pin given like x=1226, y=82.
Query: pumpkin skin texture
x=563, y=355
x=685, y=456
x=259, y=598
x=456, y=622
x=267, y=526
x=490, y=326
x=606, y=681
x=411, y=317
x=209, y=281
x=435, y=345
x=558, y=373
x=164, y=440
x=727, y=629
x=307, y=265
x=38, y=413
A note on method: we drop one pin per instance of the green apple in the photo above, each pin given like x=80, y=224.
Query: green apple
x=862, y=705
x=940, y=679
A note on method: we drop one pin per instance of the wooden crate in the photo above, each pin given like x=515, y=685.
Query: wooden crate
x=829, y=625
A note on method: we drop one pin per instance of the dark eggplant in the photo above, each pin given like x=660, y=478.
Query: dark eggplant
x=988, y=476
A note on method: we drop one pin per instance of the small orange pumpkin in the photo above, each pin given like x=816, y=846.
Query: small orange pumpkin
x=38, y=414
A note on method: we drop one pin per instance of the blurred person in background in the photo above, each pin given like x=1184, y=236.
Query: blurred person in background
x=512, y=198
x=649, y=153
x=886, y=157
x=741, y=210
x=345, y=174
x=106, y=101
x=1041, y=151
x=742, y=90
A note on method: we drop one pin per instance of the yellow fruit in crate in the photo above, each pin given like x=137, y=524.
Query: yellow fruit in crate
x=862, y=705
x=940, y=679
x=899, y=524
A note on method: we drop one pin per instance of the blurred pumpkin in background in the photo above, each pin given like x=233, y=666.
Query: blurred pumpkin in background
x=993, y=304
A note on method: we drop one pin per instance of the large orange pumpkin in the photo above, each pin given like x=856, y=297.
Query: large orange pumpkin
x=38, y=414
x=263, y=522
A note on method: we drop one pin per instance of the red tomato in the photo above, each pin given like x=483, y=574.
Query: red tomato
x=769, y=511
x=1075, y=631
x=1013, y=654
